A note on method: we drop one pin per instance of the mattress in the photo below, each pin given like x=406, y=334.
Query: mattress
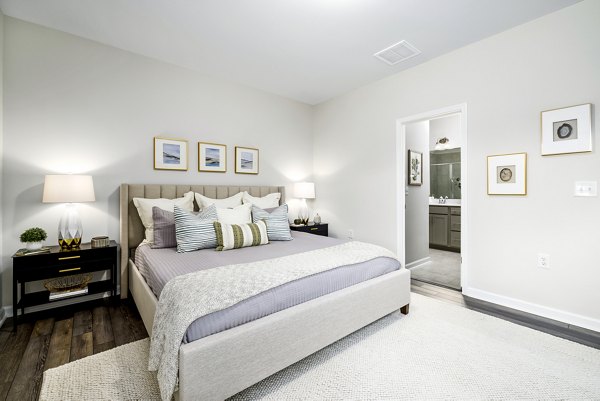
x=158, y=266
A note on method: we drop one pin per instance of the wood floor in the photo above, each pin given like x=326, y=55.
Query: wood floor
x=49, y=339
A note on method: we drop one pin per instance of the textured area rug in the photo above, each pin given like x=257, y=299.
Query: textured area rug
x=438, y=352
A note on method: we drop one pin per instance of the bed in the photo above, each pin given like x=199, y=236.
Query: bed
x=214, y=366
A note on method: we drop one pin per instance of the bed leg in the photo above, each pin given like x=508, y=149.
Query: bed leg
x=404, y=309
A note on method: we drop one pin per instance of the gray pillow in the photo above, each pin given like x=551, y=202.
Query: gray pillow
x=278, y=226
x=164, y=228
x=193, y=231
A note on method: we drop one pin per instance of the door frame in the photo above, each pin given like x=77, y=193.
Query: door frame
x=401, y=167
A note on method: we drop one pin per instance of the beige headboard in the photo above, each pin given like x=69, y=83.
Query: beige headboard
x=132, y=230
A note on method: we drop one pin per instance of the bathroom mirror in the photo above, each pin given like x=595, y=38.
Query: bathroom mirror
x=445, y=170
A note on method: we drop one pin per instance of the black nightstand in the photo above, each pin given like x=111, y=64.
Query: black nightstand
x=55, y=264
x=318, y=229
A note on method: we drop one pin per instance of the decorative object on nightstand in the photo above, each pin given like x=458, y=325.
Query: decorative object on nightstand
x=66, y=274
x=304, y=191
x=33, y=238
x=100, y=242
x=317, y=229
x=317, y=219
x=69, y=189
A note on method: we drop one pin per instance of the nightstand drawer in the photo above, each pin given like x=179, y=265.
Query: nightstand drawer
x=321, y=229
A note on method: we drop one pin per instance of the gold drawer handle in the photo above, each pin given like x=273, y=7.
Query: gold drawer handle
x=69, y=270
x=313, y=229
x=70, y=257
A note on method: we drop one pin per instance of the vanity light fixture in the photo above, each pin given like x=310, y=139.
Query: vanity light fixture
x=442, y=144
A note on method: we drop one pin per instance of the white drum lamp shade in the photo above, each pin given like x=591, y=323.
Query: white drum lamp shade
x=304, y=191
x=69, y=189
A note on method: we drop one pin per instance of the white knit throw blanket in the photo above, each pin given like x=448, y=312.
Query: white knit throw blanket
x=188, y=297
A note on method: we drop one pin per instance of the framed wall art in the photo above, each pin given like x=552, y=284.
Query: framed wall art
x=212, y=157
x=567, y=130
x=415, y=168
x=246, y=160
x=170, y=154
x=507, y=174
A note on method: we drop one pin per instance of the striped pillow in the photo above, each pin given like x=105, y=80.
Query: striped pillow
x=233, y=236
x=193, y=231
x=278, y=226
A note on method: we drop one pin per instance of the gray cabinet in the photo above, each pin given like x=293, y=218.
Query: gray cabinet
x=438, y=229
x=444, y=227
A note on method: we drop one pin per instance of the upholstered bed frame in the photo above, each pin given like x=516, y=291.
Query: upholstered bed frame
x=220, y=365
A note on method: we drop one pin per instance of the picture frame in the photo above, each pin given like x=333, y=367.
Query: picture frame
x=415, y=168
x=170, y=154
x=507, y=174
x=212, y=157
x=567, y=130
x=246, y=160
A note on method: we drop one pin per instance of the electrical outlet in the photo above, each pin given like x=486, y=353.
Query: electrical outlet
x=543, y=261
x=351, y=234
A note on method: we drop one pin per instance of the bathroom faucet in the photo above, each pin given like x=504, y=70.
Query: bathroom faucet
x=443, y=200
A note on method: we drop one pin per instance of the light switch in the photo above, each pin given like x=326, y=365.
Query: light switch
x=586, y=188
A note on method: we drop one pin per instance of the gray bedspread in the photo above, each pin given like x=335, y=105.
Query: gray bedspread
x=158, y=266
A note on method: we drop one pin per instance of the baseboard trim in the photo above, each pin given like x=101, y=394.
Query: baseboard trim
x=419, y=262
x=535, y=309
x=3, y=316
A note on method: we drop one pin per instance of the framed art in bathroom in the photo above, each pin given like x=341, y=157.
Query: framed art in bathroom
x=415, y=168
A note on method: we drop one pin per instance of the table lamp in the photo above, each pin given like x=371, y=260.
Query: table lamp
x=69, y=189
x=304, y=191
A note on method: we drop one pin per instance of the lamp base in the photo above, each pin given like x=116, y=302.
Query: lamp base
x=303, y=214
x=69, y=244
x=70, y=229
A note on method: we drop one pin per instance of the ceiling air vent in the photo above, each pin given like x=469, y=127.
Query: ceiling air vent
x=398, y=52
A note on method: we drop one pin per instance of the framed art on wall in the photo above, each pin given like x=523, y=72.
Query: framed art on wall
x=170, y=154
x=415, y=168
x=212, y=157
x=567, y=130
x=246, y=160
x=507, y=174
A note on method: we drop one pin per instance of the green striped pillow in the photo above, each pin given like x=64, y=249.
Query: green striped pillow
x=233, y=236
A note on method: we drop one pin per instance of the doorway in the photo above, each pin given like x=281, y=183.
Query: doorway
x=432, y=202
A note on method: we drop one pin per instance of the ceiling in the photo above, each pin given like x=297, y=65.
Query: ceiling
x=307, y=50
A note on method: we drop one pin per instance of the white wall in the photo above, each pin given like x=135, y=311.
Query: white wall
x=75, y=105
x=506, y=81
x=448, y=127
x=417, y=198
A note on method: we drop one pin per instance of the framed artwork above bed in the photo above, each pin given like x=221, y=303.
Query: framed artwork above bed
x=246, y=160
x=212, y=157
x=170, y=154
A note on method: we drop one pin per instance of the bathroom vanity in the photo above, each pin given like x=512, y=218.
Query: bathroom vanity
x=444, y=226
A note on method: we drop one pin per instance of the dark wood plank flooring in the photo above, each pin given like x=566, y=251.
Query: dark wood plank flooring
x=52, y=338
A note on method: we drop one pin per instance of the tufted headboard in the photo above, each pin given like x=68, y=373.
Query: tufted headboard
x=131, y=228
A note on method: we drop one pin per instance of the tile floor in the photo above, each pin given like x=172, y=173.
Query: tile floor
x=443, y=269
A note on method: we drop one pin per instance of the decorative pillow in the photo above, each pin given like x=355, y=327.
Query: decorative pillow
x=278, y=226
x=164, y=228
x=193, y=231
x=233, y=236
x=271, y=200
x=226, y=203
x=144, y=207
x=237, y=215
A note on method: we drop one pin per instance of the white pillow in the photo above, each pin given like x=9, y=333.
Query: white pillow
x=144, y=207
x=238, y=215
x=266, y=202
x=230, y=202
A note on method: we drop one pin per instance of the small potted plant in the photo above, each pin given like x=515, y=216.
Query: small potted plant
x=33, y=238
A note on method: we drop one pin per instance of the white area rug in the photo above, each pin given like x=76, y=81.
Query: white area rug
x=438, y=352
